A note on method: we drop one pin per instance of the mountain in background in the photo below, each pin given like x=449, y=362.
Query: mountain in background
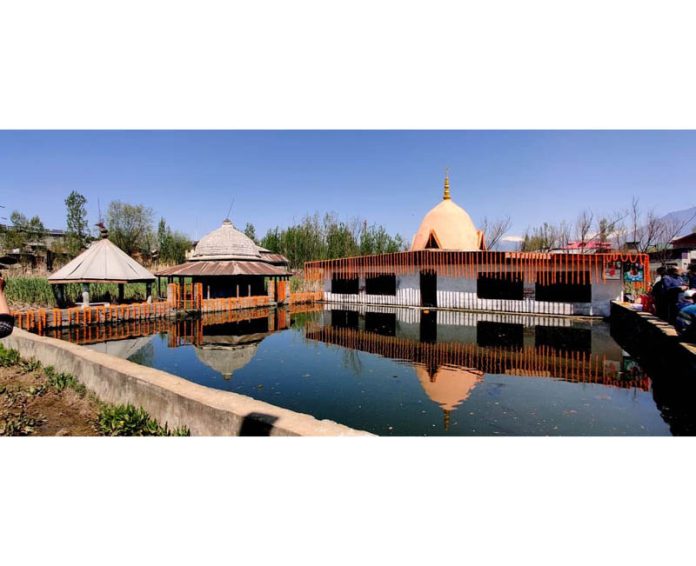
x=687, y=215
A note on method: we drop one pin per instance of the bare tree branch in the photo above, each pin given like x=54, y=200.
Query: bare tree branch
x=494, y=230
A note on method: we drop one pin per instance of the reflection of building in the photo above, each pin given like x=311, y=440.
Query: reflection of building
x=448, y=267
x=514, y=345
x=448, y=386
x=229, y=264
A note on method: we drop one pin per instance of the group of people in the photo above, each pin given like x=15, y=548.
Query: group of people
x=6, y=319
x=673, y=295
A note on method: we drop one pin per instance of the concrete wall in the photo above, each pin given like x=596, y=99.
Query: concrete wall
x=460, y=293
x=168, y=398
x=653, y=340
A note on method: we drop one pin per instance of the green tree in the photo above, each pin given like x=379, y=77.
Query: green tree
x=329, y=238
x=130, y=227
x=77, y=231
x=250, y=232
x=23, y=231
x=172, y=245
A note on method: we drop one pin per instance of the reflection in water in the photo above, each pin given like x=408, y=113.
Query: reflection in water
x=448, y=386
x=407, y=371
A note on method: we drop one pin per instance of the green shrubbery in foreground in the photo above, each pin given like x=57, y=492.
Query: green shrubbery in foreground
x=127, y=420
x=113, y=420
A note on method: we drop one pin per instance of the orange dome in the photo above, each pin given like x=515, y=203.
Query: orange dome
x=447, y=227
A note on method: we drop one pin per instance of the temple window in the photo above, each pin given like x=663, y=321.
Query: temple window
x=566, y=289
x=493, y=286
x=381, y=285
x=345, y=285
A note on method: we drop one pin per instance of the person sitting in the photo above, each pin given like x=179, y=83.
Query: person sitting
x=691, y=275
x=686, y=318
x=673, y=285
x=658, y=292
x=6, y=319
x=686, y=299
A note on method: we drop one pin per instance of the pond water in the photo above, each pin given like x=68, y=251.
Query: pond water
x=405, y=372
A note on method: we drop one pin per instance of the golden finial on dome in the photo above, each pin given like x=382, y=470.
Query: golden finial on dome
x=447, y=187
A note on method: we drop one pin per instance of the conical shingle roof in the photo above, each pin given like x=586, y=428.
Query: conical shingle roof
x=226, y=243
x=102, y=262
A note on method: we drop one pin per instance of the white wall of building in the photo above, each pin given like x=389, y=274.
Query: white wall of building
x=460, y=293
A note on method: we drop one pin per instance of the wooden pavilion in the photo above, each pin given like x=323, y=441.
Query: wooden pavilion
x=102, y=262
x=228, y=264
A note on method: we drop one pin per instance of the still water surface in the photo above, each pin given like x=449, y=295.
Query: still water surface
x=405, y=372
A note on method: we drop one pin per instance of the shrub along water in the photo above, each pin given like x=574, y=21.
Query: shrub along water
x=37, y=291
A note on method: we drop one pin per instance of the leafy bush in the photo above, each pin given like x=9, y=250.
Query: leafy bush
x=127, y=420
x=8, y=357
x=19, y=425
x=62, y=381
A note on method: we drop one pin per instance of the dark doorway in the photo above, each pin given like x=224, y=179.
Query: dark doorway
x=428, y=287
x=428, y=327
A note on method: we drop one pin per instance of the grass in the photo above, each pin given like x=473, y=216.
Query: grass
x=113, y=420
x=37, y=291
x=298, y=284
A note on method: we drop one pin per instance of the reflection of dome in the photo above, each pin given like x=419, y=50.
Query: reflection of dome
x=226, y=359
x=449, y=386
x=226, y=243
x=448, y=227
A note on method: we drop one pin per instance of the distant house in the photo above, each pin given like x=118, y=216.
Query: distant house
x=681, y=253
x=589, y=247
x=36, y=253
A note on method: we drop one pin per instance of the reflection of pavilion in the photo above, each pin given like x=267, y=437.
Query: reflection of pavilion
x=227, y=354
x=122, y=348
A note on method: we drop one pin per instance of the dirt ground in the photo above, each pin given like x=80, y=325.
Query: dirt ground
x=29, y=406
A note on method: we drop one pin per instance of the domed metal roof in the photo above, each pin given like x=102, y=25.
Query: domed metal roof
x=225, y=243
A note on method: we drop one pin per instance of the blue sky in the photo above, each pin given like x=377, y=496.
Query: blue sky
x=390, y=177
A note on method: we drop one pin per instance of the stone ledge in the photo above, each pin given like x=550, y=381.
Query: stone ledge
x=643, y=329
x=171, y=399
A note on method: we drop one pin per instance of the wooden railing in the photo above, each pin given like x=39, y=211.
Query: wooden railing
x=233, y=303
x=38, y=319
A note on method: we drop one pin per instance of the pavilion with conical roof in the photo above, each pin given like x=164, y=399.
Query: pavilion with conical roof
x=102, y=262
x=230, y=264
